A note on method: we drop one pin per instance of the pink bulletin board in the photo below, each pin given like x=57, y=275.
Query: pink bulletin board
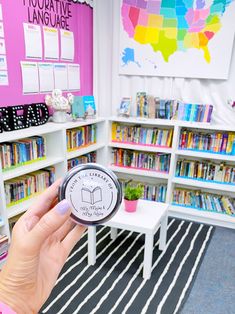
x=15, y=13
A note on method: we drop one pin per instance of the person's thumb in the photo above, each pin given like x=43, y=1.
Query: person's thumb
x=49, y=223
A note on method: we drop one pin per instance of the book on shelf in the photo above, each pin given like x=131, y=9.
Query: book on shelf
x=217, y=142
x=20, y=152
x=152, y=106
x=152, y=192
x=140, y=160
x=136, y=134
x=88, y=158
x=193, y=112
x=141, y=105
x=204, y=201
x=81, y=137
x=24, y=187
x=149, y=106
x=78, y=108
x=89, y=106
x=125, y=107
x=206, y=170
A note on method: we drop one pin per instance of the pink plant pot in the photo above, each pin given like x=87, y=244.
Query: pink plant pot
x=130, y=206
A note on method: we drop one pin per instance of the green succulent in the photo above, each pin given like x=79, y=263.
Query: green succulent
x=133, y=192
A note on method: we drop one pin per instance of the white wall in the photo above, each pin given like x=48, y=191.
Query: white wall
x=109, y=87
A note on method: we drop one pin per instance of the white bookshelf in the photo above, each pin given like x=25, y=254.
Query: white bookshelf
x=172, y=181
x=56, y=155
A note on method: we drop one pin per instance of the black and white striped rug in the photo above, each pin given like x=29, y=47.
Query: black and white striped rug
x=115, y=284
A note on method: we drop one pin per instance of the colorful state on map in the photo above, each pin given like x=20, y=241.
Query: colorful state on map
x=128, y=56
x=172, y=25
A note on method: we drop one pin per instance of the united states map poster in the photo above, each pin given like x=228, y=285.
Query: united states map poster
x=176, y=38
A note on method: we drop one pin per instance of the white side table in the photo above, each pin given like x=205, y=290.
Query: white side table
x=148, y=217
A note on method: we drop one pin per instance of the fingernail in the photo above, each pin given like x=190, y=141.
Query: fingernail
x=62, y=207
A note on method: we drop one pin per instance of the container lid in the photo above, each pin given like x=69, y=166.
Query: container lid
x=94, y=193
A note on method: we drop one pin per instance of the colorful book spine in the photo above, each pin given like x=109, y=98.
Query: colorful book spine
x=88, y=158
x=206, y=171
x=156, y=193
x=24, y=187
x=81, y=137
x=21, y=152
x=139, y=135
x=140, y=160
x=220, y=143
x=204, y=201
x=149, y=106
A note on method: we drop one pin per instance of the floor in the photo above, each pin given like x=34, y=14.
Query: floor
x=213, y=291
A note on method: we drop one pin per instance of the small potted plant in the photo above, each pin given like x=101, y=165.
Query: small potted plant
x=131, y=195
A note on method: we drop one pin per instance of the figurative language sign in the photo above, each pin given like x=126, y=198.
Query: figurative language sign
x=53, y=13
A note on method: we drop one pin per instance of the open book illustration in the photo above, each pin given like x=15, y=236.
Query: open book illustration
x=91, y=194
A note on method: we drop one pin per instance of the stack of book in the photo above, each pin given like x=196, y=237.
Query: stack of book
x=3, y=247
x=139, y=160
x=22, y=152
x=141, y=135
x=204, y=201
x=156, y=192
x=91, y=157
x=24, y=187
x=218, y=142
x=205, y=170
x=152, y=107
x=80, y=137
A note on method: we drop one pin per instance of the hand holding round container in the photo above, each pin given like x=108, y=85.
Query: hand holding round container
x=94, y=193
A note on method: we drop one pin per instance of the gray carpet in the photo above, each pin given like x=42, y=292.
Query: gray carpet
x=115, y=284
x=213, y=291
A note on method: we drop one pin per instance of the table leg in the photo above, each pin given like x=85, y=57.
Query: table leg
x=114, y=233
x=91, y=245
x=148, y=256
x=163, y=233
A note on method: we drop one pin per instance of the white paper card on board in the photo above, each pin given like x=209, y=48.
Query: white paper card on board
x=51, y=43
x=3, y=78
x=46, y=77
x=2, y=47
x=67, y=45
x=61, y=76
x=73, y=77
x=1, y=30
x=0, y=12
x=33, y=41
x=30, y=77
x=3, y=63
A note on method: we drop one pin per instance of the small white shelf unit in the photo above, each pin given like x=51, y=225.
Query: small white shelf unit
x=172, y=181
x=56, y=155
